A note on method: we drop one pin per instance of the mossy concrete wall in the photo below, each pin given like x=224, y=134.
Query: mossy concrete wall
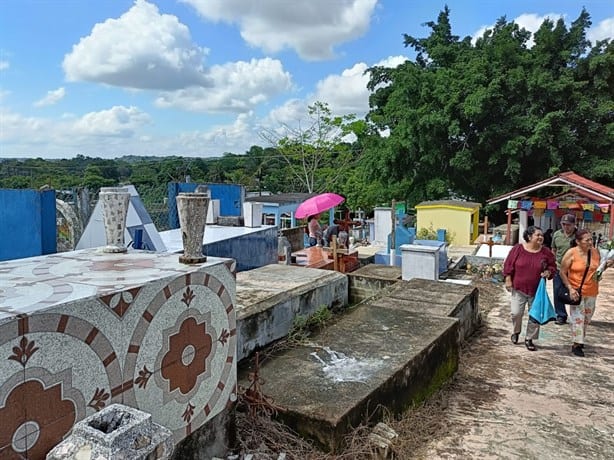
x=271, y=297
x=370, y=280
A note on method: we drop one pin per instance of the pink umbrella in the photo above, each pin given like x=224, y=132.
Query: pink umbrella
x=317, y=204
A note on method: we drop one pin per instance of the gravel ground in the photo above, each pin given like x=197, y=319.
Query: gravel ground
x=507, y=402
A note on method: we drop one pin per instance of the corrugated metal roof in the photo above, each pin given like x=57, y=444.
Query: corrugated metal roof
x=457, y=203
x=584, y=186
x=281, y=198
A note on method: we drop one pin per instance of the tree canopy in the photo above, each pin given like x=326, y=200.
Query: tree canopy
x=475, y=120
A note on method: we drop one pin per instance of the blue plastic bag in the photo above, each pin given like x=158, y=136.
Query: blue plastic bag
x=542, y=310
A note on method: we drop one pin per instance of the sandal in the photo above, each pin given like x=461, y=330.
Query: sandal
x=529, y=344
x=577, y=350
x=515, y=336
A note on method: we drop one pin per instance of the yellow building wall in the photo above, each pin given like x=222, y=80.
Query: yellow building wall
x=461, y=224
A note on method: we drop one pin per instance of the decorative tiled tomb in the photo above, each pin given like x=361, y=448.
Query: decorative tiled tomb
x=84, y=329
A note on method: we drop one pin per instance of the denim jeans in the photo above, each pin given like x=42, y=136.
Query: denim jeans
x=559, y=307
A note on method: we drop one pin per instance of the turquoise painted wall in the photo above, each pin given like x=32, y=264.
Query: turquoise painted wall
x=27, y=223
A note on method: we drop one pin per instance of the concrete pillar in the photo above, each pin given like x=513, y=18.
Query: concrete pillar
x=419, y=262
x=213, y=211
x=383, y=226
x=252, y=214
x=523, y=223
x=116, y=432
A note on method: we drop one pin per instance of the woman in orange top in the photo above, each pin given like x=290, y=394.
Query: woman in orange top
x=572, y=271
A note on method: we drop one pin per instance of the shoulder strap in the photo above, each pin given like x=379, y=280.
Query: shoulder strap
x=588, y=264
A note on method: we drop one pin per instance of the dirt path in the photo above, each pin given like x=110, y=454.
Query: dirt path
x=507, y=402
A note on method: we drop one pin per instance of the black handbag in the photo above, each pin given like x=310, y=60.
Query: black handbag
x=562, y=292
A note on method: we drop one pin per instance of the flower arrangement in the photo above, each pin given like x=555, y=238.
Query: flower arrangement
x=486, y=271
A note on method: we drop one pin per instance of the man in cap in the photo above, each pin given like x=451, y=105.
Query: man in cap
x=561, y=241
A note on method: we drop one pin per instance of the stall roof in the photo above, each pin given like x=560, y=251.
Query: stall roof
x=582, y=185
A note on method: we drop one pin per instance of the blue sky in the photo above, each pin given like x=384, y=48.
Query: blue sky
x=107, y=78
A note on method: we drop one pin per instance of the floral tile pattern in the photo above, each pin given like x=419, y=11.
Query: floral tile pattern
x=85, y=329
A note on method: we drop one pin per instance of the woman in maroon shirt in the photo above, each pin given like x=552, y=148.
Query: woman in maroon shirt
x=524, y=266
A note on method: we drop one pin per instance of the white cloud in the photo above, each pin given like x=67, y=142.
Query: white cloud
x=143, y=49
x=118, y=121
x=312, y=28
x=23, y=130
x=115, y=132
x=344, y=93
x=4, y=65
x=237, y=87
x=603, y=30
x=51, y=98
x=289, y=113
x=236, y=137
x=347, y=93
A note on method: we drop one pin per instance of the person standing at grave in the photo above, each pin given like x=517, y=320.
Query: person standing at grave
x=332, y=230
x=525, y=265
x=562, y=239
x=315, y=231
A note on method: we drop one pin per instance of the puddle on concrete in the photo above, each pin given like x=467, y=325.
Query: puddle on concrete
x=341, y=368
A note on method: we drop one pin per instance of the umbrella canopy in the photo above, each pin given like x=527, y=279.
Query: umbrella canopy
x=317, y=204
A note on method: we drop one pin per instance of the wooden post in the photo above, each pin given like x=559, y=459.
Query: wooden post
x=508, y=232
x=490, y=244
x=333, y=246
x=611, y=221
x=392, y=233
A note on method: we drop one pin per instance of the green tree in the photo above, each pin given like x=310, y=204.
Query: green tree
x=93, y=178
x=473, y=121
x=316, y=152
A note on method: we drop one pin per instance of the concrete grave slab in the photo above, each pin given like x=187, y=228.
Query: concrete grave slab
x=370, y=356
x=434, y=298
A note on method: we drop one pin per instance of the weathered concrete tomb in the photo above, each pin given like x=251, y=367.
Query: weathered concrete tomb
x=369, y=359
x=391, y=351
x=269, y=299
x=370, y=280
